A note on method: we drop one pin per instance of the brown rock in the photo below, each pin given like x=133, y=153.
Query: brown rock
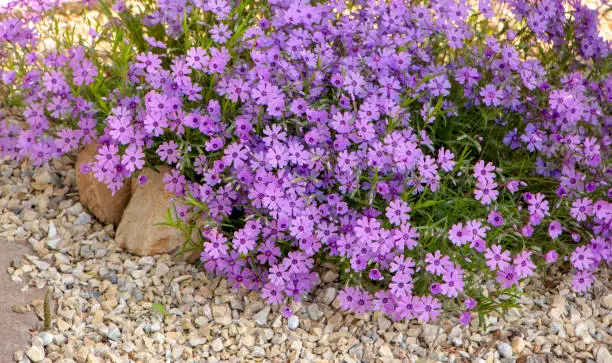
x=137, y=232
x=95, y=195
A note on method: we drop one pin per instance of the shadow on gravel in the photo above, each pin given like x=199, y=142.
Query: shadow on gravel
x=15, y=327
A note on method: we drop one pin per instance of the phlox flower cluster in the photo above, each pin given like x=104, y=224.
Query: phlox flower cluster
x=305, y=133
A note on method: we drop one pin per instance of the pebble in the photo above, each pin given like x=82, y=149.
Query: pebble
x=217, y=345
x=222, y=314
x=293, y=322
x=261, y=318
x=606, y=301
x=518, y=344
x=385, y=350
x=314, y=312
x=114, y=333
x=46, y=338
x=505, y=350
x=197, y=341
x=83, y=219
x=35, y=354
x=259, y=352
x=603, y=355
x=161, y=269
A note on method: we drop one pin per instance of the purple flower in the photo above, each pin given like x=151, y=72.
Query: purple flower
x=496, y=259
x=507, y=277
x=453, y=282
x=215, y=247
x=491, y=96
x=286, y=312
x=555, y=229
x=427, y=309
x=523, y=265
x=581, y=209
x=436, y=263
x=551, y=256
x=495, y=219
x=465, y=318
x=470, y=303
x=397, y=212
x=582, y=281
x=375, y=274
x=459, y=235
x=582, y=258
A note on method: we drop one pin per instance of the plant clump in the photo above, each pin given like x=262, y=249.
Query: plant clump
x=436, y=152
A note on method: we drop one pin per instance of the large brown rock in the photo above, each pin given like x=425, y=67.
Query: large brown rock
x=137, y=232
x=95, y=195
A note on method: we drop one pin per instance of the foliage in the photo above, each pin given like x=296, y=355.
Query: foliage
x=435, y=152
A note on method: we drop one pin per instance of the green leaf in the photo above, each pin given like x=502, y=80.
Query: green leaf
x=157, y=307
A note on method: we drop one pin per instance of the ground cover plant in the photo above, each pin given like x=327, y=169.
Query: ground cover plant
x=435, y=152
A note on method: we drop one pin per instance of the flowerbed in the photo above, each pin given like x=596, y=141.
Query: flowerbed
x=436, y=153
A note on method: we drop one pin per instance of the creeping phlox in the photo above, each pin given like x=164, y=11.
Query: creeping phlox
x=417, y=148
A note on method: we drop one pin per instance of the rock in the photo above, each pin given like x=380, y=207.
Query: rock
x=505, y=350
x=222, y=314
x=53, y=243
x=329, y=295
x=36, y=354
x=293, y=322
x=329, y=276
x=518, y=344
x=46, y=338
x=52, y=231
x=217, y=345
x=95, y=195
x=248, y=341
x=532, y=358
x=259, y=352
x=82, y=219
x=161, y=269
x=41, y=265
x=314, y=312
x=137, y=232
x=603, y=355
x=197, y=341
x=606, y=301
x=456, y=336
x=356, y=351
x=385, y=350
x=114, y=333
x=261, y=318
x=43, y=176
x=430, y=332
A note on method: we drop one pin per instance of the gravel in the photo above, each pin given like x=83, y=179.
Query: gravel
x=113, y=306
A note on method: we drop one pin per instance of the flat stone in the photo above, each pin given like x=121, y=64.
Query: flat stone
x=46, y=338
x=197, y=341
x=385, y=350
x=161, y=269
x=603, y=355
x=222, y=314
x=261, y=318
x=293, y=322
x=606, y=301
x=83, y=219
x=217, y=345
x=259, y=352
x=505, y=350
x=35, y=354
x=518, y=344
